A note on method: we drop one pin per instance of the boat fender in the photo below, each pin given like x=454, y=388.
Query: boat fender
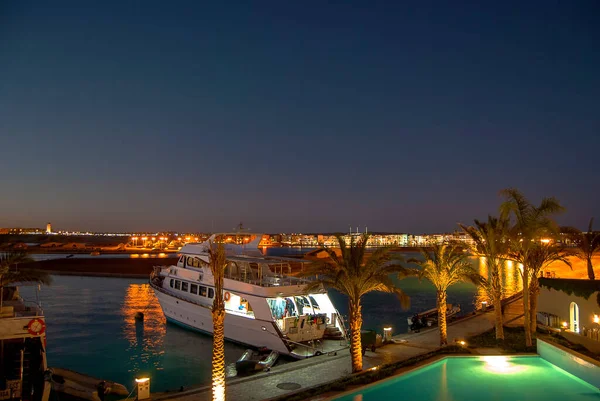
x=36, y=327
x=227, y=296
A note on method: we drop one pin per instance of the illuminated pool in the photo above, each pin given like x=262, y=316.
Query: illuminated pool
x=489, y=378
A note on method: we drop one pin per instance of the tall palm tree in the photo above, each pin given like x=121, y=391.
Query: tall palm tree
x=444, y=265
x=490, y=242
x=588, y=244
x=541, y=255
x=531, y=224
x=218, y=262
x=356, y=273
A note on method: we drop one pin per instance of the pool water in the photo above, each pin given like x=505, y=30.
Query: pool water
x=489, y=378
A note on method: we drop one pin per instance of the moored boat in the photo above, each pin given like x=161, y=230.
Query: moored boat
x=429, y=318
x=75, y=385
x=22, y=347
x=256, y=360
x=266, y=306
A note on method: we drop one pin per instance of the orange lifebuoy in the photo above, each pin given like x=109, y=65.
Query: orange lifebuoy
x=227, y=296
x=36, y=327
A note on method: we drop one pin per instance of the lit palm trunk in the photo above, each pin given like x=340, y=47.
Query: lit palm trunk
x=534, y=290
x=497, y=299
x=217, y=267
x=526, y=318
x=218, y=355
x=355, y=340
x=499, y=318
x=442, y=306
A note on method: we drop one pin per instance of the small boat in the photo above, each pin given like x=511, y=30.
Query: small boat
x=95, y=253
x=256, y=360
x=79, y=386
x=429, y=318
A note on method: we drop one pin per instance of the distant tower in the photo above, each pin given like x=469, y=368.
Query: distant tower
x=49, y=228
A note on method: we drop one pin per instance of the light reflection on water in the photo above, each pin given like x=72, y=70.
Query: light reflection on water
x=509, y=275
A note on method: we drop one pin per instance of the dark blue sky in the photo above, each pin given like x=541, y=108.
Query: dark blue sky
x=294, y=116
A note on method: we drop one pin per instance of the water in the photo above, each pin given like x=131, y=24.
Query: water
x=494, y=378
x=91, y=328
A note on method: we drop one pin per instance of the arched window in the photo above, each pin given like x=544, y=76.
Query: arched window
x=574, y=321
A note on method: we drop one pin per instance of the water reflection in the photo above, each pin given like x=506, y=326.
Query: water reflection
x=145, y=336
x=509, y=276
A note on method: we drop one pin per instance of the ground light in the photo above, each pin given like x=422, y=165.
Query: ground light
x=143, y=388
x=387, y=334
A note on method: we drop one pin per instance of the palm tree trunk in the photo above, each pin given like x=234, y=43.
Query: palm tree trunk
x=497, y=295
x=590, y=268
x=441, y=305
x=499, y=318
x=218, y=354
x=355, y=342
x=534, y=290
x=526, y=318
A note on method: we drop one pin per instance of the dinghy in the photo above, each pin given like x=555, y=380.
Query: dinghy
x=80, y=386
x=256, y=360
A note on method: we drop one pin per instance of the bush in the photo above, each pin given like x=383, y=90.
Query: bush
x=514, y=340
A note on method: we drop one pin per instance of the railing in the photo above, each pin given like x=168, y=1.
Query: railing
x=21, y=308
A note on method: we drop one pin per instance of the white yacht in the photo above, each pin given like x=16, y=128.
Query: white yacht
x=265, y=305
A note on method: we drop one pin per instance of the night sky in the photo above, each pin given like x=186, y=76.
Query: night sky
x=295, y=116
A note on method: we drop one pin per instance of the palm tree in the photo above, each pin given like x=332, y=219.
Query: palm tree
x=531, y=224
x=218, y=262
x=541, y=255
x=490, y=242
x=10, y=273
x=446, y=264
x=355, y=273
x=588, y=244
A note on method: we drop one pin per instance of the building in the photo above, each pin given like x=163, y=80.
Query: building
x=49, y=228
x=572, y=306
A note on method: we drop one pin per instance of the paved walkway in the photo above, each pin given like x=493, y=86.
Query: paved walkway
x=326, y=368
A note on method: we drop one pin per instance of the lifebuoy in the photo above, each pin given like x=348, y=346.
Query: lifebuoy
x=36, y=327
x=227, y=296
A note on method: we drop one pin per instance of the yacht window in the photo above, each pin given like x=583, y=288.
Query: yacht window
x=202, y=291
x=190, y=261
x=182, y=260
x=290, y=307
x=184, y=286
x=177, y=284
x=211, y=293
x=313, y=302
x=171, y=283
x=194, y=289
x=303, y=305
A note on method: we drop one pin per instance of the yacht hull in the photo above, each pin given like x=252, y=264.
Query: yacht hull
x=253, y=332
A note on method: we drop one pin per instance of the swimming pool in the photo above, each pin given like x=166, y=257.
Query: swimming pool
x=490, y=378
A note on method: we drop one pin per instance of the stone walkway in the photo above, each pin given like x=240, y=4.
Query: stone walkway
x=319, y=370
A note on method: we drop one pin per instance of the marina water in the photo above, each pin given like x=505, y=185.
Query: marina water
x=92, y=329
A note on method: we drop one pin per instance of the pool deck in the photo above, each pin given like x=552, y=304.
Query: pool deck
x=316, y=371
